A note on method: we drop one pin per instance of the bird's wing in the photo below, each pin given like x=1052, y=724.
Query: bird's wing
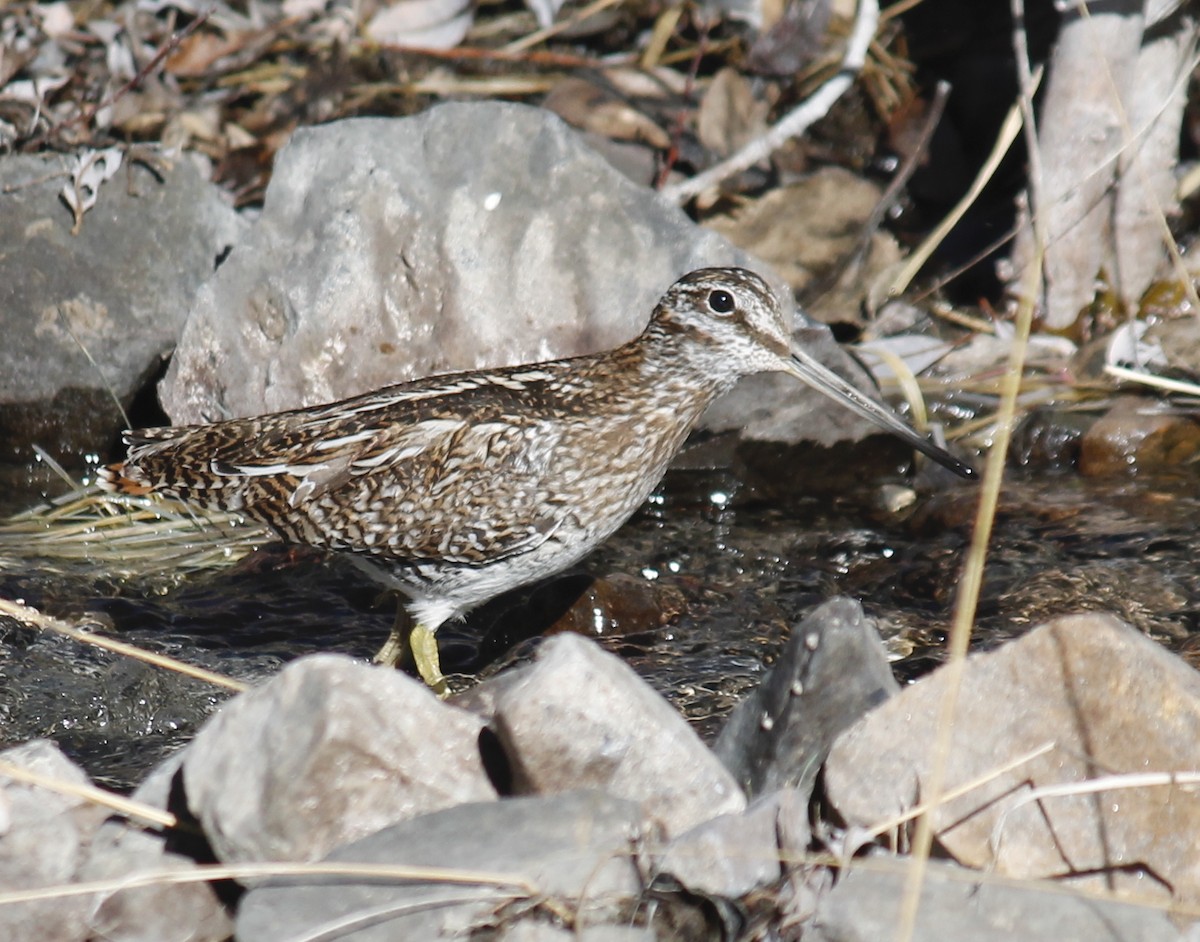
x=445, y=487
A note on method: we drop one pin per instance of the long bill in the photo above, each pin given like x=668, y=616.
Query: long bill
x=808, y=370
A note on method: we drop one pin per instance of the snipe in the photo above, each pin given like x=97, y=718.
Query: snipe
x=459, y=487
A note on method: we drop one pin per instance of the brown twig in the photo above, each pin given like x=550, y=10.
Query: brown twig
x=558, y=60
x=689, y=88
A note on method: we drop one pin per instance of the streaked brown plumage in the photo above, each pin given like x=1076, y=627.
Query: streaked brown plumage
x=458, y=487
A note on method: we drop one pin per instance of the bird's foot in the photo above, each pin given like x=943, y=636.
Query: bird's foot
x=394, y=650
x=421, y=643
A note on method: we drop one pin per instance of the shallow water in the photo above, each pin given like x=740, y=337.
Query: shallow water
x=723, y=564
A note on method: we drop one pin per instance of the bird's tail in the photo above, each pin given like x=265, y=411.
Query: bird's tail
x=121, y=479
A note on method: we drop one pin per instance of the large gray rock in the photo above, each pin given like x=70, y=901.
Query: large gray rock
x=120, y=290
x=160, y=912
x=1106, y=699
x=832, y=671
x=576, y=847
x=43, y=839
x=327, y=751
x=734, y=854
x=471, y=235
x=582, y=718
x=866, y=904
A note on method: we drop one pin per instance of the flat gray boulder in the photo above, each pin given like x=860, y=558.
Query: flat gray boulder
x=1087, y=702
x=577, y=848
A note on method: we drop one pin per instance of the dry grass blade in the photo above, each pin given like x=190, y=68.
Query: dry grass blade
x=596, y=6
x=664, y=29
x=965, y=788
x=794, y=122
x=1105, y=783
x=36, y=619
x=907, y=381
x=134, y=810
x=1004, y=140
x=337, y=929
x=1149, y=379
x=971, y=583
x=250, y=871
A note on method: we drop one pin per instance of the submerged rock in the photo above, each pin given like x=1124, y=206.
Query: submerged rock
x=1139, y=436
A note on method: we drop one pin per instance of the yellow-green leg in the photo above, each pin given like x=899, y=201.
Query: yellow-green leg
x=419, y=642
x=423, y=643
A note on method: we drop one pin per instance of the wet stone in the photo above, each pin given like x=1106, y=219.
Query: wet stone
x=621, y=604
x=1079, y=698
x=618, y=604
x=581, y=718
x=576, y=848
x=327, y=751
x=1139, y=436
x=1049, y=439
x=833, y=670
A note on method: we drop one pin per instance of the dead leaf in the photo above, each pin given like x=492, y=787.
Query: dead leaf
x=425, y=24
x=195, y=54
x=544, y=10
x=589, y=107
x=807, y=231
x=92, y=168
x=57, y=18
x=730, y=115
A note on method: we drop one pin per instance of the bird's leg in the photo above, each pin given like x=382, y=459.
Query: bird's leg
x=395, y=650
x=423, y=644
x=416, y=643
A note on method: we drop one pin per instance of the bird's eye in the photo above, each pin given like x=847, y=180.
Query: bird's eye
x=721, y=302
